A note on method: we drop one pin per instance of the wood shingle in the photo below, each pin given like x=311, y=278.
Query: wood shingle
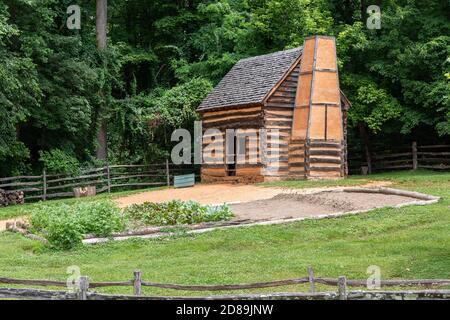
x=251, y=79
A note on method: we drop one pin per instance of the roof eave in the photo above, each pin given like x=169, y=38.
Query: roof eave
x=230, y=106
x=347, y=103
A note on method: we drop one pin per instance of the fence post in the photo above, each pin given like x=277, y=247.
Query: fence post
x=414, y=155
x=167, y=172
x=137, y=283
x=84, y=287
x=342, y=288
x=108, y=175
x=44, y=185
x=312, y=288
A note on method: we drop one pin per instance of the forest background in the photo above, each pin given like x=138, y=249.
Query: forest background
x=58, y=90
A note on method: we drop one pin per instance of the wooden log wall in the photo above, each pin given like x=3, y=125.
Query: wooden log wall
x=325, y=158
x=345, y=108
x=278, y=115
x=246, y=120
x=213, y=147
x=233, y=118
x=297, y=159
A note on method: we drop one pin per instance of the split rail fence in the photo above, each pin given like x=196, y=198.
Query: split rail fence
x=413, y=157
x=127, y=176
x=83, y=289
x=105, y=179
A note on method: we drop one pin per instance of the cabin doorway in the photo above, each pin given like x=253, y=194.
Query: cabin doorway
x=231, y=156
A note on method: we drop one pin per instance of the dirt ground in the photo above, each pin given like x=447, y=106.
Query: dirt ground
x=284, y=206
x=204, y=194
x=220, y=193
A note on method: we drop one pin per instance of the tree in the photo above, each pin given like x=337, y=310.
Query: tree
x=101, y=26
x=59, y=88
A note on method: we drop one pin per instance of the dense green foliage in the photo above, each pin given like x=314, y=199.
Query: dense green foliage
x=164, y=56
x=64, y=225
x=176, y=212
x=57, y=161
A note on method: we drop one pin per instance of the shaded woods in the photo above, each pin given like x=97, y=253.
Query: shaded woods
x=58, y=90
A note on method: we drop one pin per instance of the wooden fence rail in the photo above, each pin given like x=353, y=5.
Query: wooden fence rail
x=105, y=179
x=83, y=286
x=434, y=157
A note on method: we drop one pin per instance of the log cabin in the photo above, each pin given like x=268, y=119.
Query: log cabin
x=287, y=113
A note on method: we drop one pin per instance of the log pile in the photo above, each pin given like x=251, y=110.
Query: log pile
x=11, y=197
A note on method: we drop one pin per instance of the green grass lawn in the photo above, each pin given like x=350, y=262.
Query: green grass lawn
x=410, y=242
x=300, y=184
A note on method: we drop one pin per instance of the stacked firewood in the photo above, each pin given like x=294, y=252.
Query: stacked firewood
x=11, y=197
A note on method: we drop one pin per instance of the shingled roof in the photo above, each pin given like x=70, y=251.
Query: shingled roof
x=249, y=81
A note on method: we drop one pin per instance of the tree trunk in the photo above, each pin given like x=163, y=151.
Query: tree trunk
x=101, y=141
x=363, y=8
x=101, y=23
x=366, y=143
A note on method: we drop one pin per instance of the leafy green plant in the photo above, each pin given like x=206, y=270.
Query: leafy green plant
x=58, y=161
x=64, y=225
x=64, y=232
x=100, y=218
x=176, y=212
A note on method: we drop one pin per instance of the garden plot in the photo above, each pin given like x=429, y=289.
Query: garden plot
x=291, y=205
x=255, y=203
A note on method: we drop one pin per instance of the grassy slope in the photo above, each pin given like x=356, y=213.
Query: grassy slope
x=411, y=242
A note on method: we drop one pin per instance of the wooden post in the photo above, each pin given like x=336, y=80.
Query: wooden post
x=108, y=175
x=84, y=287
x=44, y=185
x=137, y=284
x=414, y=155
x=167, y=172
x=342, y=288
x=312, y=288
x=366, y=143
